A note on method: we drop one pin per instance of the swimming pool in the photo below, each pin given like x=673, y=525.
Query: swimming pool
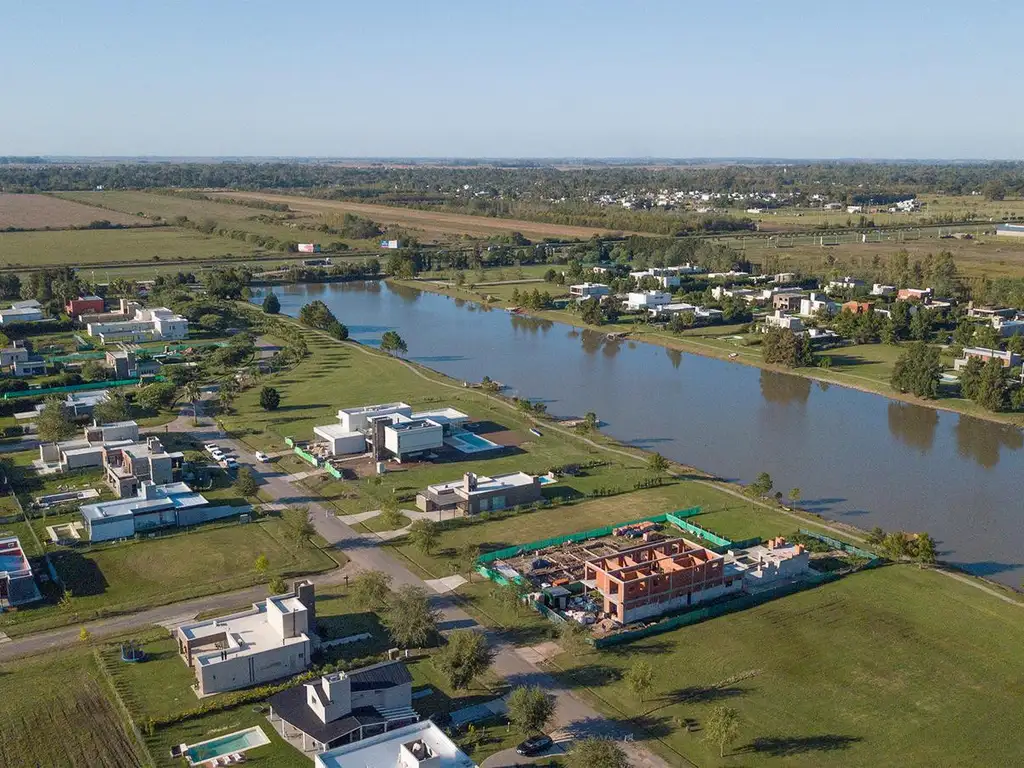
x=467, y=442
x=225, y=745
x=544, y=480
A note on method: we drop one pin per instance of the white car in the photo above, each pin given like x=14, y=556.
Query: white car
x=262, y=457
x=229, y=463
x=211, y=447
x=217, y=454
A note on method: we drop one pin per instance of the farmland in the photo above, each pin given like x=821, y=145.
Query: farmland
x=48, y=212
x=57, y=711
x=435, y=225
x=111, y=246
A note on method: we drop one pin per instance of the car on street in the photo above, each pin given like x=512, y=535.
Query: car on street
x=262, y=457
x=534, y=745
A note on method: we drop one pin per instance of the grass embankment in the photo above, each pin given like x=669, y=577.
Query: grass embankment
x=57, y=710
x=109, y=579
x=865, y=367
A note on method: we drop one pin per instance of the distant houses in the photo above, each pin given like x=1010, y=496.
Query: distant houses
x=477, y=493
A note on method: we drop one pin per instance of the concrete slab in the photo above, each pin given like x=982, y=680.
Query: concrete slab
x=445, y=585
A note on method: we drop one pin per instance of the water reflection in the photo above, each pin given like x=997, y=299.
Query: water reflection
x=913, y=425
x=783, y=389
x=591, y=341
x=675, y=356
x=612, y=347
x=982, y=440
x=530, y=324
x=406, y=294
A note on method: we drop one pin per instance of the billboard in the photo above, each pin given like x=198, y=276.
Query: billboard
x=309, y=247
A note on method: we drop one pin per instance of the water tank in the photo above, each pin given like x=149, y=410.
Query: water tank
x=381, y=468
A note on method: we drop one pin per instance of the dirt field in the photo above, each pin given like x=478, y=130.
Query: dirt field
x=46, y=212
x=434, y=224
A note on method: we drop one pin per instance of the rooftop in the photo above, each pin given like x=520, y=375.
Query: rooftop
x=242, y=634
x=334, y=431
x=413, y=424
x=151, y=498
x=486, y=484
x=419, y=740
x=371, y=409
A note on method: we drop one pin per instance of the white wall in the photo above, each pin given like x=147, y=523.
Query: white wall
x=119, y=528
x=241, y=671
x=402, y=442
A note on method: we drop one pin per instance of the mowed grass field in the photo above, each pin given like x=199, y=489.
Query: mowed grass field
x=434, y=224
x=110, y=246
x=49, y=212
x=56, y=710
x=891, y=667
x=116, y=578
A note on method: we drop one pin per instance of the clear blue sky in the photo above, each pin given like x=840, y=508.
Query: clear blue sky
x=519, y=78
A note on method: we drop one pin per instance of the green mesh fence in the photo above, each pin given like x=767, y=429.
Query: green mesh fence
x=306, y=456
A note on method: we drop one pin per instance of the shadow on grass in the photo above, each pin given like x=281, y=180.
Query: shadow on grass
x=785, y=746
x=80, y=574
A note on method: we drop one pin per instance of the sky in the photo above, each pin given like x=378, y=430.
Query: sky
x=521, y=78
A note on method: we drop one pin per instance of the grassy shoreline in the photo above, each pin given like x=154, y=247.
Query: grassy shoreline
x=700, y=345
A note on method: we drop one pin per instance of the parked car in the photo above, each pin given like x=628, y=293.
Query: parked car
x=211, y=447
x=229, y=463
x=262, y=457
x=534, y=745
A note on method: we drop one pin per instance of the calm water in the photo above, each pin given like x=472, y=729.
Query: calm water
x=856, y=457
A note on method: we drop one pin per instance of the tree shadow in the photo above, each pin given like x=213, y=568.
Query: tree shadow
x=786, y=746
x=698, y=694
x=592, y=675
x=80, y=574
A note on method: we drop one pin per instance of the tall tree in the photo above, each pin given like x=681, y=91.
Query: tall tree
x=409, y=618
x=918, y=371
x=393, y=344
x=371, y=590
x=596, y=752
x=640, y=678
x=722, y=727
x=270, y=399
x=424, y=535
x=54, y=422
x=298, y=526
x=271, y=304
x=465, y=655
x=530, y=709
x=114, y=408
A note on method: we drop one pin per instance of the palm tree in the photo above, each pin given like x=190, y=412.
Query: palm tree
x=193, y=394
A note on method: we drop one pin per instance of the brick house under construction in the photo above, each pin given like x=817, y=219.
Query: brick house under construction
x=652, y=579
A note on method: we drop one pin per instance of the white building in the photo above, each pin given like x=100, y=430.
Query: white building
x=774, y=561
x=1007, y=358
x=16, y=314
x=390, y=430
x=1007, y=327
x=88, y=450
x=844, y=284
x=781, y=320
x=420, y=745
x=647, y=299
x=589, y=290
x=815, y=303
x=272, y=640
x=146, y=325
x=879, y=289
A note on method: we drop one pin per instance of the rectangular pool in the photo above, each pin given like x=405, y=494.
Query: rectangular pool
x=238, y=741
x=467, y=442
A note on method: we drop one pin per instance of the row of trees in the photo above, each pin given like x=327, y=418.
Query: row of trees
x=317, y=315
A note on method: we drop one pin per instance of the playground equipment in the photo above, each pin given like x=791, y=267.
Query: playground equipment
x=131, y=652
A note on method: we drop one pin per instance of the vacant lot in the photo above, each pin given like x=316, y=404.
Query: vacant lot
x=97, y=247
x=56, y=711
x=895, y=666
x=46, y=212
x=434, y=224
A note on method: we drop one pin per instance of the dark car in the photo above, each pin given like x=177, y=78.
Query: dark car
x=534, y=745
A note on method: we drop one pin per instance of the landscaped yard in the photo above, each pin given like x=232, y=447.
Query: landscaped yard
x=893, y=666
x=115, y=578
x=56, y=710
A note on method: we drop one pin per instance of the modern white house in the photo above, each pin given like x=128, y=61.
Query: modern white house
x=17, y=585
x=880, y=289
x=147, y=324
x=343, y=707
x=647, y=300
x=390, y=430
x=272, y=640
x=419, y=745
x=473, y=493
x=127, y=466
x=29, y=311
x=88, y=450
x=589, y=290
x=1007, y=327
x=816, y=303
x=1008, y=359
x=780, y=319
x=844, y=284
x=155, y=506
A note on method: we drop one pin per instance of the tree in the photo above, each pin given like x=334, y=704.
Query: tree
x=573, y=638
x=371, y=590
x=390, y=514
x=465, y=559
x=722, y=727
x=992, y=392
x=895, y=545
x=83, y=635
x=530, y=709
x=393, y=344
x=297, y=525
x=155, y=396
x=54, y=423
x=783, y=347
x=970, y=378
x=762, y=485
x=464, y=656
x=924, y=549
x=918, y=370
x=261, y=565
x=409, y=617
x=114, y=408
x=657, y=463
x=590, y=312
x=424, y=535
x=277, y=586
x=596, y=752
x=509, y=597
x=876, y=536
x=794, y=495
x=193, y=394
x=590, y=421
x=245, y=483
x=94, y=370
x=271, y=304
x=270, y=399
x=640, y=678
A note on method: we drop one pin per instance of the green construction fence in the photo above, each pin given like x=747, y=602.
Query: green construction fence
x=704, y=534
x=306, y=456
x=871, y=557
x=289, y=442
x=78, y=388
x=333, y=472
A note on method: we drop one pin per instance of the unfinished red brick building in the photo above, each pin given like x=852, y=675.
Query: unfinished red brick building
x=652, y=579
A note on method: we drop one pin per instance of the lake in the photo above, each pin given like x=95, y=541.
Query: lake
x=857, y=457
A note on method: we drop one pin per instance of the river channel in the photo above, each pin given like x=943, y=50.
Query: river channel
x=857, y=457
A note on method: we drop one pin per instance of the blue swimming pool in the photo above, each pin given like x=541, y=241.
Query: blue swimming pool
x=467, y=442
x=225, y=745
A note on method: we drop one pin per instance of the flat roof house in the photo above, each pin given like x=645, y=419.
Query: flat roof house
x=17, y=585
x=653, y=579
x=272, y=640
x=589, y=290
x=781, y=320
x=788, y=301
x=476, y=493
x=637, y=300
x=147, y=324
x=88, y=451
x=154, y=507
x=390, y=430
x=816, y=303
x=82, y=403
x=1007, y=358
x=127, y=466
x=345, y=707
x=420, y=745
x=22, y=312
x=84, y=305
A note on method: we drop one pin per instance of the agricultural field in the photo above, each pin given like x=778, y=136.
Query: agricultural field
x=435, y=225
x=48, y=212
x=100, y=247
x=130, y=576
x=56, y=710
x=896, y=664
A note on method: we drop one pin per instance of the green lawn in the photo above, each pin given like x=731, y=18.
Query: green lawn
x=121, y=577
x=57, y=710
x=97, y=246
x=894, y=666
